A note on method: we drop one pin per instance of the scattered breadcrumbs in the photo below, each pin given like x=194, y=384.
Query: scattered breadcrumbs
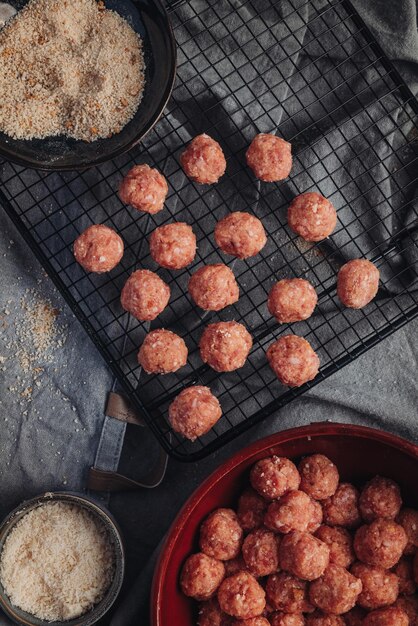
x=57, y=562
x=68, y=67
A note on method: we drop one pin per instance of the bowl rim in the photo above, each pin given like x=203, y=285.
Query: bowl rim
x=96, y=508
x=313, y=430
x=158, y=113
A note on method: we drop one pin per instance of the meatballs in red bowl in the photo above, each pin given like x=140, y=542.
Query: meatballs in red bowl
x=294, y=530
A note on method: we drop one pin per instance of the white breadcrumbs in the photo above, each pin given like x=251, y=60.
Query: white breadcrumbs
x=57, y=562
x=68, y=67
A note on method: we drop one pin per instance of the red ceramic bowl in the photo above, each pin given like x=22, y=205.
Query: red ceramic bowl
x=358, y=452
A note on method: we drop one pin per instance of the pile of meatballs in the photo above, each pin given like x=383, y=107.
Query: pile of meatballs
x=224, y=346
x=304, y=549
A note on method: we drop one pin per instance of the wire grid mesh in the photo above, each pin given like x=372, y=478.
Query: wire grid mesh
x=311, y=72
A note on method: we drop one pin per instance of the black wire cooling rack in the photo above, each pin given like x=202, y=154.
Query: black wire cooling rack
x=312, y=72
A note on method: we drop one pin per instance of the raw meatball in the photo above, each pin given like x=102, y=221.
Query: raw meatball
x=144, y=188
x=213, y=287
x=380, y=544
x=261, y=552
x=162, y=352
x=340, y=545
x=235, y=565
x=293, y=511
x=292, y=300
x=404, y=571
x=316, y=519
x=98, y=249
x=253, y=621
x=194, y=412
x=269, y=157
x=336, y=591
x=286, y=619
x=357, y=283
x=391, y=616
x=210, y=614
x=201, y=576
x=203, y=160
x=355, y=617
x=319, y=619
x=288, y=593
x=381, y=497
x=240, y=234
x=319, y=476
x=145, y=295
x=173, y=246
x=221, y=535
x=274, y=476
x=251, y=509
x=380, y=587
x=312, y=216
x=241, y=596
x=408, y=519
x=225, y=346
x=293, y=360
x=341, y=509
x=303, y=555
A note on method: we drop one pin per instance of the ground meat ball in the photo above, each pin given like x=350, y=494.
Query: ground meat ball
x=408, y=519
x=253, y=621
x=213, y=287
x=357, y=283
x=98, y=249
x=312, y=216
x=381, y=497
x=319, y=619
x=162, y=352
x=303, y=555
x=210, y=614
x=144, y=188
x=293, y=360
x=194, y=411
x=391, y=616
x=173, y=246
x=261, y=552
x=340, y=544
x=341, y=509
x=274, y=476
x=409, y=604
x=235, y=565
x=221, y=535
x=251, y=509
x=293, y=511
x=292, y=300
x=319, y=476
x=203, y=160
x=288, y=593
x=241, y=596
x=225, y=346
x=316, y=519
x=336, y=591
x=380, y=544
x=145, y=295
x=240, y=234
x=201, y=576
x=355, y=616
x=404, y=571
x=269, y=157
x=286, y=619
x=380, y=587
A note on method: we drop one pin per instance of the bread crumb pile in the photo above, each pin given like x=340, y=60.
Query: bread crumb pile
x=57, y=562
x=68, y=67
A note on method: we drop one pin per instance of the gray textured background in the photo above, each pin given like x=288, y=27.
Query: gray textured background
x=48, y=442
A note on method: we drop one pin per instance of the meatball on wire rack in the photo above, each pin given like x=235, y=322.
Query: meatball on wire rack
x=310, y=73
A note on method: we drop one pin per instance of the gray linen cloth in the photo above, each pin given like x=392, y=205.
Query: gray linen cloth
x=52, y=411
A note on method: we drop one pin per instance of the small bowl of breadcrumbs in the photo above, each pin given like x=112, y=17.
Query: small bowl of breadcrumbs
x=61, y=561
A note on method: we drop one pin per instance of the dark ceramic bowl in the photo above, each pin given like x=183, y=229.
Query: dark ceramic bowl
x=150, y=20
x=359, y=453
x=97, y=612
